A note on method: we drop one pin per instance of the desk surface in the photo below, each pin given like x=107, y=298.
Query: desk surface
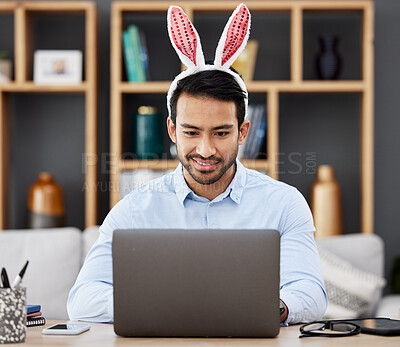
x=103, y=335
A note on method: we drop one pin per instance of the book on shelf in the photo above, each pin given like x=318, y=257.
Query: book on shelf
x=129, y=55
x=258, y=126
x=135, y=37
x=144, y=56
x=135, y=54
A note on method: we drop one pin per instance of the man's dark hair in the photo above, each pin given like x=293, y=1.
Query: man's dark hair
x=215, y=84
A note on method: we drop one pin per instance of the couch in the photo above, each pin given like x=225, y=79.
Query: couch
x=56, y=255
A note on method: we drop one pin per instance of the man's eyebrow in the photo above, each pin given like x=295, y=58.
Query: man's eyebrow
x=224, y=126
x=186, y=125
x=219, y=127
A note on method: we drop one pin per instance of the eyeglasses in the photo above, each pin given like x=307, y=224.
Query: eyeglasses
x=329, y=329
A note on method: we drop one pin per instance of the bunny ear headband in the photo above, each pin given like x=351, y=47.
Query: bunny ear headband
x=186, y=41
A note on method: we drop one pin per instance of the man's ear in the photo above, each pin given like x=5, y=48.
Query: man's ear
x=171, y=129
x=244, y=131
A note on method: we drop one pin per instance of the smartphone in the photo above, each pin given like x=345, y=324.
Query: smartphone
x=378, y=326
x=66, y=329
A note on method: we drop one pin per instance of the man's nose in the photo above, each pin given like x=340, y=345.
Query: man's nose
x=206, y=147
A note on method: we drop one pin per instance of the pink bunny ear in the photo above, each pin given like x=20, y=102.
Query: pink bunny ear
x=184, y=38
x=234, y=37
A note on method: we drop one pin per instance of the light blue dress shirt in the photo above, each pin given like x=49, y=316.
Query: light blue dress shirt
x=251, y=201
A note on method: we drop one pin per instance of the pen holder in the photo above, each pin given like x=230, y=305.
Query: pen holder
x=12, y=315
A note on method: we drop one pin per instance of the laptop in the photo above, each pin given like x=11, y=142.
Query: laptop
x=196, y=283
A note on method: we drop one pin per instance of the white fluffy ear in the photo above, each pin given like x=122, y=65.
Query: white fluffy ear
x=184, y=38
x=234, y=37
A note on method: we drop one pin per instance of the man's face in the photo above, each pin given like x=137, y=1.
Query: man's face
x=207, y=137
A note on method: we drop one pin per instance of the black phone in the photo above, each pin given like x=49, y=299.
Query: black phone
x=378, y=326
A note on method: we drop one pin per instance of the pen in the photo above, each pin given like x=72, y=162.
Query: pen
x=18, y=279
x=4, y=278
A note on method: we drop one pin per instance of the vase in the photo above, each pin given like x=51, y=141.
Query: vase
x=326, y=203
x=45, y=203
x=328, y=61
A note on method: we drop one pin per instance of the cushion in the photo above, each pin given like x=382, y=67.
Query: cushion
x=350, y=291
x=90, y=236
x=364, y=251
x=389, y=307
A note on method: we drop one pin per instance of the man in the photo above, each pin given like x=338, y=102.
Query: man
x=210, y=189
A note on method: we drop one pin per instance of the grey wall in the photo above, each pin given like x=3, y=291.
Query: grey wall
x=387, y=126
x=314, y=128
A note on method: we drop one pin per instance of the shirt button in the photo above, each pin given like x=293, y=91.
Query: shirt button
x=211, y=204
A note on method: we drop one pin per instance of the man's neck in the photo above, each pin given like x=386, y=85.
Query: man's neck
x=210, y=191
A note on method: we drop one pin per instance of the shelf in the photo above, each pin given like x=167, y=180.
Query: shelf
x=59, y=6
x=306, y=86
x=144, y=87
x=24, y=25
x=8, y=7
x=252, y=5
x=258, y=86
x=31, y=87
x=289, y=19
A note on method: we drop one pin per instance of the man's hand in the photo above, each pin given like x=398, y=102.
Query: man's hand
x=285, y=313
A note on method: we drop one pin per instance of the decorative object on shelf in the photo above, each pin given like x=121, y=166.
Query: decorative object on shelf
x=246, y=61
x=148, y=135
x=326, y=203
x=45, y=203
x=5, y=68
x=59, y=67
x=135, y=53
x=328, y=61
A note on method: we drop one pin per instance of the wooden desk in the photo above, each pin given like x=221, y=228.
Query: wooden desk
x=103, y=335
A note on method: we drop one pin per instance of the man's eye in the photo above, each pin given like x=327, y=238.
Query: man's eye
x=222, y=133
x=190, y=133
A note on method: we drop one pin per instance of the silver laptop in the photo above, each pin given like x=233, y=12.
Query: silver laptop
x=197, y=283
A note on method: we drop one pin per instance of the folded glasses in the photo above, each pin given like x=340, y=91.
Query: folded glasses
x=329, y=329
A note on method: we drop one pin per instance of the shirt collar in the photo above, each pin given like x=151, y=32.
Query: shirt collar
x=238, y=182
x=182, y=190
x=234, y=190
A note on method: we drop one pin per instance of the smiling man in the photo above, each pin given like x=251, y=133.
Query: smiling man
x=207, y=135
x=210, y=189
